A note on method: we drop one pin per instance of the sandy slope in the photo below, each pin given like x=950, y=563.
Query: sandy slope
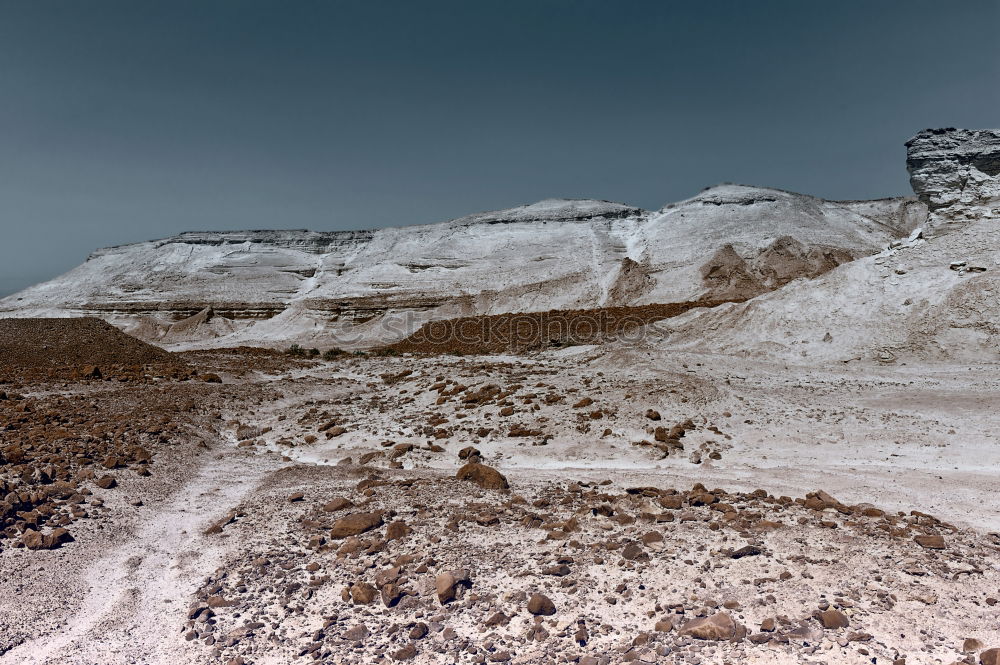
x=931, y=299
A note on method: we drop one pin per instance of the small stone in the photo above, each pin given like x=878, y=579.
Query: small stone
x=749, y=550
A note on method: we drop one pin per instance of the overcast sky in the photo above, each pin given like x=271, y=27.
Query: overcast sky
x=128, y=120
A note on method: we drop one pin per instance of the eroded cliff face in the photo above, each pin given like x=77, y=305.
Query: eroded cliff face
x=361, y=288
x=935, y=296
x=956, y=172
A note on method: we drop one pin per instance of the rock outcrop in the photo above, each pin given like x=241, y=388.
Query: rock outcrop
x=934, y=296
x=956, y=172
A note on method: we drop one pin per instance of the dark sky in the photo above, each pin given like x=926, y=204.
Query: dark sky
x=129, y=120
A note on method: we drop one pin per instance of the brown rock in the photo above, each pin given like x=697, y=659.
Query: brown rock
x=406, y=653
x=338, y=503
x=930, y=542
x=664, y=625
x=484, y=476
x=469, y=452
x=397, y=530
x=363, y=593
x=497, y=619
x=540, y=605
x=833, y=619
x=651, y=537
x=671, y=501
x=748, y=550
x=446, y=585
x=356, y=633
x=33, y=540
x=719, y=626
x=990, y=656
x=702, y=499
x=971, y=645
x=296, y=496
x=106, y=482
x=633, y=552
x=767, y=625
x=652, y=414
x=391, y=593
x=356, y=524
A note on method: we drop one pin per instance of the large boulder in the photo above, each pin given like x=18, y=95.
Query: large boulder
x=541, y=605
x=720, y=626
x=356, y=524
x=485, y=476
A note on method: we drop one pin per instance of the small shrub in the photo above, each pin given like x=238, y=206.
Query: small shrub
x=330, y=354
x=296, y=350
x=313, y=352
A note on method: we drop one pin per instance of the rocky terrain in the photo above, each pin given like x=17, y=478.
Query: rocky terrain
x=570, y=507
x=752, y=427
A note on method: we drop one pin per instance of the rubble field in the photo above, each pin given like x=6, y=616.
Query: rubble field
x=580, y=505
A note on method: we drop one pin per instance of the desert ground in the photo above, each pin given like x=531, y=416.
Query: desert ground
x=587, y=504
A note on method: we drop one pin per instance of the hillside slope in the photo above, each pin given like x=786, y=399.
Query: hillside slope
x=932, y=298
x=359, y=288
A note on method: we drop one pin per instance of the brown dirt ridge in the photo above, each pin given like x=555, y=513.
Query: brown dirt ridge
x=46, y=344
x=520, y=332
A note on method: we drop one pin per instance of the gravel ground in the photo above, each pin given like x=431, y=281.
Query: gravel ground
x=641, y=507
